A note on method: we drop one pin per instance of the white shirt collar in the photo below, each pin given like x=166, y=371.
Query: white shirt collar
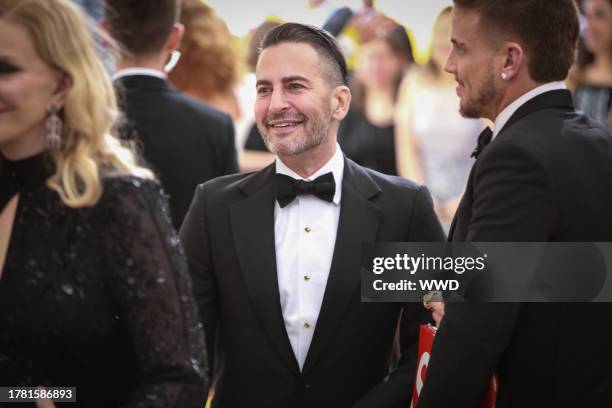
x=505, y=115
x=335, y=165
x=138, y=71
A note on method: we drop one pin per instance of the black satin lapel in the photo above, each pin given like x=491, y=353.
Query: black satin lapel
x=561, y=98
x=252, y=223
x=359, y=222
x=453, y=234
x=451, y=230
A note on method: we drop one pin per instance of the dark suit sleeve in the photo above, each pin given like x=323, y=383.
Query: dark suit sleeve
x=397, y=390
x=425, y=226
x=513, y=202
x=195, y=239
x=513, y=198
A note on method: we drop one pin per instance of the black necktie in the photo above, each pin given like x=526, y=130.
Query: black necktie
x=287, y=188
x=483, y=140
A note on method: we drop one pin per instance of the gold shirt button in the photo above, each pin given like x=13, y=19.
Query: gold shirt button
x=306, y=277
x=306, y=325
x=307, y=229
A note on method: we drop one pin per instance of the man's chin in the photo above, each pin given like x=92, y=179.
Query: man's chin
x=469, y=111
x=282, y=149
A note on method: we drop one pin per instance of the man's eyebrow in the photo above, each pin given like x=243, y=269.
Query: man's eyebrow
x=457, y=43
x=284, y=80
x=5, y=59
x=295, y=78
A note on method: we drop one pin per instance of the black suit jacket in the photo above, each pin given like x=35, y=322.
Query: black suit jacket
x=546, y=177
x=185, y=141
x=228, y=235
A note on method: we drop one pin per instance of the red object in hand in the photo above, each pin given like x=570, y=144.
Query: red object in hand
x=427, y=333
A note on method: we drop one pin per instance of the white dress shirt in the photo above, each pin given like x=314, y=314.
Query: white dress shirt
x=509, y=110
x=305, y=236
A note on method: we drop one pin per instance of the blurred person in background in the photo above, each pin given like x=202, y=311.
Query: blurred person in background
x=433, y=141
x=94, y=288
x=93, y=8
x=209, y=67
x=366, y=134
x=592, y=75
x=184, y=140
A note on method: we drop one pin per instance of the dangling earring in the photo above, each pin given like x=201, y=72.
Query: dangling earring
x=54, y=128
x=504, y=76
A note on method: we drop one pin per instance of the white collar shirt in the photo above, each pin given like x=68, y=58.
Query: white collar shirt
x=138, y=71
x=305, y=236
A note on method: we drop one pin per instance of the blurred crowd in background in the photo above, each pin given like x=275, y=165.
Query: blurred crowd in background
x=404, y=116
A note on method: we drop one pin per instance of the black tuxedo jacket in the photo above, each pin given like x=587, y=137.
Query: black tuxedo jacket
x=185, y=141
x=228, y=235
x=546, y=177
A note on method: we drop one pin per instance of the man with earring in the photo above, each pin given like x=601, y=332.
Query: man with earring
x=542, y=174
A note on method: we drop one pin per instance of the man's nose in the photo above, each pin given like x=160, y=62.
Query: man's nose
x=278, y=101
x=449, y=65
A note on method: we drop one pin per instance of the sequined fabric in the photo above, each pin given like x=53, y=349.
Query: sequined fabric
x=99, y=298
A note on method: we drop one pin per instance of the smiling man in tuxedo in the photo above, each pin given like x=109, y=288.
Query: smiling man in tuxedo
x=542, y=174
x=275, y=255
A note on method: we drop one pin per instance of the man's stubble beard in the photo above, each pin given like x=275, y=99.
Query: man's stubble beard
x=486, y=93
x=315, y=133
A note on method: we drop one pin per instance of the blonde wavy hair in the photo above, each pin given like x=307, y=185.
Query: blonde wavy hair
x=88, y=150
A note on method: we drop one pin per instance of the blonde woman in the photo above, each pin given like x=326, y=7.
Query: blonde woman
x=94, y=291
x=433, y=141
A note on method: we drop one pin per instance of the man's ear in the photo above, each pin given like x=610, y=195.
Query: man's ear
x=514, y=60
x=176, y=35
x=341, y=101
x=64, y=85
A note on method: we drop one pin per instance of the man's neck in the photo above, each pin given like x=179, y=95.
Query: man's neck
x=511, y=95
x=309, y=162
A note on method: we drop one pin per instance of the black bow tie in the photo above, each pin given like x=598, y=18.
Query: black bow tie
x=287, y=188
x=483, y=140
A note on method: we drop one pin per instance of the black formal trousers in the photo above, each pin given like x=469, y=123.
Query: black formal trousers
x=228, y=235
x=546, y=177
x=184, y=141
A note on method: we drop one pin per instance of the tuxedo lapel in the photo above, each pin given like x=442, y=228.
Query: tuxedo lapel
x=359, y=222
x=252, y=223
x=456, y=231
x=561, y=98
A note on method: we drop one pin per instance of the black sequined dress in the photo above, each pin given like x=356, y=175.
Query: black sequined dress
x=97, y=298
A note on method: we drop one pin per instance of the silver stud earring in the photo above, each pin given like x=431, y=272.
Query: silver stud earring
x=504, y=76
x=54, y=128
